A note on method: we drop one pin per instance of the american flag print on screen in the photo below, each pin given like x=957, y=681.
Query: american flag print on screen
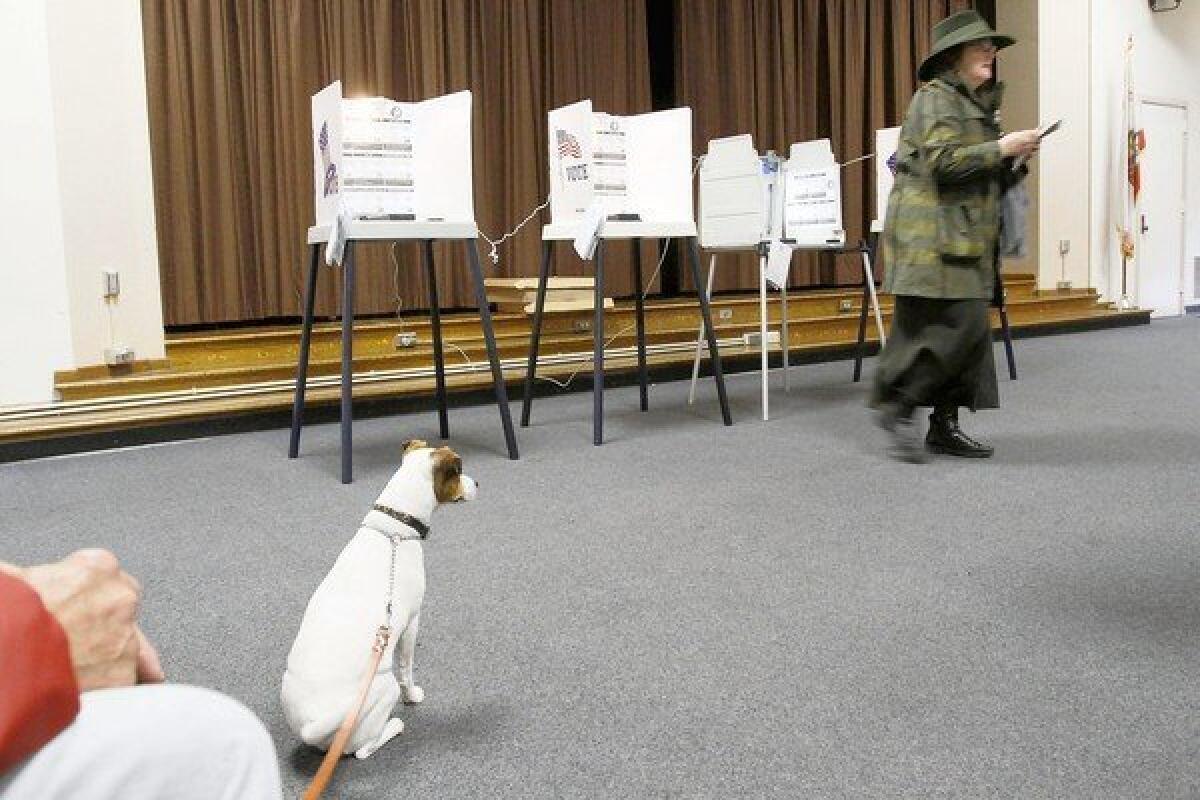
x=568, y=145
x=330, y=169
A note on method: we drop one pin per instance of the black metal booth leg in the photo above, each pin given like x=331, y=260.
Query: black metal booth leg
x=862, y=332
x=439, y=357
x=864, y=312
x=640, y=306
x=489, y=338
x=710, y=333
x=536, y=335
x=1008, y=343
x=348, y=364
x=598, y=350
x=310, y=291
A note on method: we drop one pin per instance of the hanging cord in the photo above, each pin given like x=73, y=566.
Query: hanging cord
x=645, y=292
x=494, y=254
x=399, y=301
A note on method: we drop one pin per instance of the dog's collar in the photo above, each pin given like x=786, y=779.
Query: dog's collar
x=417, y=525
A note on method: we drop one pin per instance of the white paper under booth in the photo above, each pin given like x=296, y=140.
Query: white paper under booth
x=389, y=172
x=618, y=177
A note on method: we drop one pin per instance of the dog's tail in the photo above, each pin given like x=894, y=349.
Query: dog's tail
x=319, y=733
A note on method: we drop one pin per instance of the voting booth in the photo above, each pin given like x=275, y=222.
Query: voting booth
x=388, y=172
x=378, y=159
x=631, y=169
x=771, y=206
x=618, y=177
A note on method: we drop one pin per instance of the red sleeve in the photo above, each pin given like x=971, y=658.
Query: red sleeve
x=38, y=693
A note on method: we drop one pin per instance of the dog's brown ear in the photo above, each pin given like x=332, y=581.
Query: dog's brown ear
x=447, y=472
x=412, y=444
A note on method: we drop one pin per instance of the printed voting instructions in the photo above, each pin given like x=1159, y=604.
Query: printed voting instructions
x=813, y=196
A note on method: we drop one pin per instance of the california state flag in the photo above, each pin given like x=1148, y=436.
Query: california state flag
x=1135, y=143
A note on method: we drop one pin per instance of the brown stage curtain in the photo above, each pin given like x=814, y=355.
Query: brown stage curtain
x=794, y=70
x=229, y=83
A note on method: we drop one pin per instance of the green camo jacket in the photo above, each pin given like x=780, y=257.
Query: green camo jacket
x=943, y=216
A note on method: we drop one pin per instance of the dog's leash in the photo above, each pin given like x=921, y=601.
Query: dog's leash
x=382, y=636
x=329, y=763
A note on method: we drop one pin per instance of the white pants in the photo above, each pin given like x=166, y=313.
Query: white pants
x=162, y=741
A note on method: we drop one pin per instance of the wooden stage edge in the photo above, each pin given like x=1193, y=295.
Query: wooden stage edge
x=244, y=379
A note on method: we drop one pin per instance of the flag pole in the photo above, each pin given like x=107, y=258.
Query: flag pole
x=1127, y=237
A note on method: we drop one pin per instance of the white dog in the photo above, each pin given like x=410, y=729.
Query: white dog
x=332, y=651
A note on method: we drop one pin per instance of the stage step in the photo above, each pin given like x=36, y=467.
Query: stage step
x=213, y=374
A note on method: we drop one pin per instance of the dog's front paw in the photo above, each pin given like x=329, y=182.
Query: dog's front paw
x=413, y=694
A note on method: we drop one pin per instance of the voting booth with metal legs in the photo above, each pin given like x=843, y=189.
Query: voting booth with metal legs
x=391, y=172
x=619, y=178
x=772, y=207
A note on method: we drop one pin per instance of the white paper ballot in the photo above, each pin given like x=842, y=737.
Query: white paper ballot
x=779, y=263
x=587, y=235
x=335, y=248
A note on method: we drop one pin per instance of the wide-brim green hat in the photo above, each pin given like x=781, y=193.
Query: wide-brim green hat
x=956, y=29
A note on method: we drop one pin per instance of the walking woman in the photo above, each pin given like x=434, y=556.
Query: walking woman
x=940, y=239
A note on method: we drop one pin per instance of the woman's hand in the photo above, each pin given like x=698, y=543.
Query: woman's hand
x=96, y=602
x=1020, y=143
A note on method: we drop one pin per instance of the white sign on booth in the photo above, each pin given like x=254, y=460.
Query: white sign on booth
x=327, y=151
x=736, y=194
x=887, y=142
x=812, y=214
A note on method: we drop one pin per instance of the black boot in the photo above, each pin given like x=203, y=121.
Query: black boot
x=946, y=437
x=905, y=444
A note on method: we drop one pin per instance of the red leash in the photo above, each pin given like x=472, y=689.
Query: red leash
x=325, y=772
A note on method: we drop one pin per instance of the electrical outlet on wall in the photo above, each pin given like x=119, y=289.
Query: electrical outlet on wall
x=118, y=356
x=112, y=283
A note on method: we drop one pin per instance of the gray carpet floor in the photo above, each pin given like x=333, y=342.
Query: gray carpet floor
x=767, y=610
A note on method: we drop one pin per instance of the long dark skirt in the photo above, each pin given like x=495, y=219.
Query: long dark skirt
x=938, y=353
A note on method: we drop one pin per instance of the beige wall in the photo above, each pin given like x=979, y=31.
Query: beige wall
x=35, y=323
x=1166, y=66
x=77, y=196
x=1018, y=68
x=1064, y=196
x=1080, y=74
x=98, y=73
